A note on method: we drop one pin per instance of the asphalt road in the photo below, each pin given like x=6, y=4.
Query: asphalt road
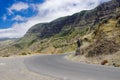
x=13, y=68
x=57, y=66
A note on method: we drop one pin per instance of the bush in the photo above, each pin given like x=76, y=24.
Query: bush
x=104, y=62
x=23, y=53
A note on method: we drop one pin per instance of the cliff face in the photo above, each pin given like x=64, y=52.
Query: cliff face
x=59, y=35
x=104, y=39
x=101, y=45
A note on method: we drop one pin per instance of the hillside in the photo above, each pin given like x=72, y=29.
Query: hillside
x=5, y=39
x=60, y=35
x=101, y=45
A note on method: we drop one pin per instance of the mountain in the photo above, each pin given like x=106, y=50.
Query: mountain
x=102, y=44
x=59, y=36
x=4, y=39
x=81, y=20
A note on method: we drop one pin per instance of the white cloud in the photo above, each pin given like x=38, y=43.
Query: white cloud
x=53, y=9
x=4, y=17
x=19, y=18
x=18, y=7
x=47, y=11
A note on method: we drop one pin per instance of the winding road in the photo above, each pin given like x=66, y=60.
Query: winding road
x=57, y=66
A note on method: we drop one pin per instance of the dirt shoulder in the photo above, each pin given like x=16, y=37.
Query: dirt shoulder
x=108, y=60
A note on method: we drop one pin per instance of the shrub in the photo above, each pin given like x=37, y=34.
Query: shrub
x=104, y=62
x=23, y=53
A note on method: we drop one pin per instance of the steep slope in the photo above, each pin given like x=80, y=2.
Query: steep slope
x=80, y=20
x=102, y=44
x=59, y=35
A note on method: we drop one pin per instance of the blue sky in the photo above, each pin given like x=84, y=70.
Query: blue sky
x=17, y=16
x=4, y=13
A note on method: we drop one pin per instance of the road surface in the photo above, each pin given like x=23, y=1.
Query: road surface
x=13, y=68
x=57, y=66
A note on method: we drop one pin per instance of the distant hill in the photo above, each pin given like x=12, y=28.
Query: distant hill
x=59, y=36
x=4, y=39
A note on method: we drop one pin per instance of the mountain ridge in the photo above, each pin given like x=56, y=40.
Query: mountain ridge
x=81, y=19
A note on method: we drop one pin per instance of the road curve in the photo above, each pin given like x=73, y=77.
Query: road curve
x=58, y=66
x=13, y=68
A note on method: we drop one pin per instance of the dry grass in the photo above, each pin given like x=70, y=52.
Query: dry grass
x=102, y=45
